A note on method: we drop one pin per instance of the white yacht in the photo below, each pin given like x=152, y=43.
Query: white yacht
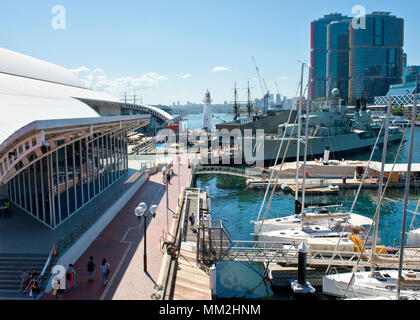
x=333, y=230
x=320, y=216
x=382, y=284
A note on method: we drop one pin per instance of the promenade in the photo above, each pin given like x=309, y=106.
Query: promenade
x=121, y=243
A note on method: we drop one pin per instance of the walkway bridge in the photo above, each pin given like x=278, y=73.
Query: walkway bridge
x=215, y=244
x=249, y=173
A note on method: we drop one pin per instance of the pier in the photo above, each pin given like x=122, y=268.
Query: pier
x=182, y=276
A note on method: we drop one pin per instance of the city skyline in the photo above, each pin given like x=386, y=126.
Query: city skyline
x=174, y=52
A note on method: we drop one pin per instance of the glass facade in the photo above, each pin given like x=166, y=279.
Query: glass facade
x=376, y=56
x=56, y=186
x=338, y=57
x=319, y=53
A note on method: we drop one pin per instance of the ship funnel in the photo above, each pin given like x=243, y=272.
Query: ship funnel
x=326, y=155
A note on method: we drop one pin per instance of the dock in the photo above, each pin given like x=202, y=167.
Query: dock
x=321, y=185
x=182, y=276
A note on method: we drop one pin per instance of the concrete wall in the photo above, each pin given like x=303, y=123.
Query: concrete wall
x=78, y=248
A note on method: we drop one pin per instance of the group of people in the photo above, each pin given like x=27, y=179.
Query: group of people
x=30, y=283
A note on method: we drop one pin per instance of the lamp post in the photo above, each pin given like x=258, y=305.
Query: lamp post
x=141, y=211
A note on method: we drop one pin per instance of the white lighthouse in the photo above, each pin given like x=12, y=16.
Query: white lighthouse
x=207, y=114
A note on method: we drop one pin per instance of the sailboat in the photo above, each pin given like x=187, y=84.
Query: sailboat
x=387, y=284
x=296, y=228
x=315, y=215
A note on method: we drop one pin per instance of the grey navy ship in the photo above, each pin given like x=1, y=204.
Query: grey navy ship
x=329, y=128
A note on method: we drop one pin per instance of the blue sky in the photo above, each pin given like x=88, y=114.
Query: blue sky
x=168, y=49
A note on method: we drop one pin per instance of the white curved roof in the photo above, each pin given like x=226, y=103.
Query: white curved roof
x=19, y=111
x=16, y=85
x=19, y=64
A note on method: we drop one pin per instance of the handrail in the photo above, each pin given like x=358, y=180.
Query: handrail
x=53, y=251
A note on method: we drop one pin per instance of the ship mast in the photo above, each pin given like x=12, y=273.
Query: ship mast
x=236, y=105
x=406, y=193
x=308, y=107
x=380, y=184
x=249, y=105
x=297, y=207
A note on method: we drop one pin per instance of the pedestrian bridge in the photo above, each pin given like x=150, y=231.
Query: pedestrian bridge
x=248, y=173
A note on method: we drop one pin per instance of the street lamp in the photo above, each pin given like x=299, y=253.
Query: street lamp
x=141, y=211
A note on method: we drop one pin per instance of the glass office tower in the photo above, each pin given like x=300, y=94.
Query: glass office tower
x=338, y=57
x=376, y=56
x=319, y=53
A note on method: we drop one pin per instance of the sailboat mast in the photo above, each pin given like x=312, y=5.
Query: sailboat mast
x=299, y=136
x=380, y=183
x=249, y=106
x=235, y=104
x=308, y=108
x=407, y=189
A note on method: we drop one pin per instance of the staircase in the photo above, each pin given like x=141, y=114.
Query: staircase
x=11, y=267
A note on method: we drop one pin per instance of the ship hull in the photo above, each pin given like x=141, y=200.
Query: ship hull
x=339, y=145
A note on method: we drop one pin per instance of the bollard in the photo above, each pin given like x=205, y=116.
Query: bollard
x=303, y=252
x=301, y=286
x=212, y=274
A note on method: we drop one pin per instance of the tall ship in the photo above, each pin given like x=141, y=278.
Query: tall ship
x=268, y=119
x=329, y=129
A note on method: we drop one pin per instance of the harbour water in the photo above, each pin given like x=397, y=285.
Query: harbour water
x=236, y=205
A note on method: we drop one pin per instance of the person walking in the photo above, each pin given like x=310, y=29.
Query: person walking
x=192, y=221
x=35, y=290
x=106, y=269
x=71, y=277
x=168, y=177
x=91, y=266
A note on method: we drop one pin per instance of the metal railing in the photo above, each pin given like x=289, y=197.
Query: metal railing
x=215, y=244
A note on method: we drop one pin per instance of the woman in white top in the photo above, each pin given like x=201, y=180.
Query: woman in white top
x=106, y=269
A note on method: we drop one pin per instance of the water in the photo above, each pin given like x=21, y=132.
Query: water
x=237, y=205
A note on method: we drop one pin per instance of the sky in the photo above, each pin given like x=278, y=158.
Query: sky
x=167, y=51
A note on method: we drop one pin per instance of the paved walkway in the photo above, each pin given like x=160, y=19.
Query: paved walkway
x=121, y=243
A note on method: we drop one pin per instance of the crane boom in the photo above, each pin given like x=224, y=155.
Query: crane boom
x=259, y=77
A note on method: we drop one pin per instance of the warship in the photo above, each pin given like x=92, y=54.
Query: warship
x=329, y=129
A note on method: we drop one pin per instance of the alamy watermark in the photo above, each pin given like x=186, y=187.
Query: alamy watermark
x=359, y=21
x=58, y=22
x=215, y=147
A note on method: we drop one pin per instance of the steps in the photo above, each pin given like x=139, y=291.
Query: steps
x=11, y=267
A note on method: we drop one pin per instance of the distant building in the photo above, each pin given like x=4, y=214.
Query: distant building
x=376, y=56
x=319, y=53
x=411, y=73
x=338, y=57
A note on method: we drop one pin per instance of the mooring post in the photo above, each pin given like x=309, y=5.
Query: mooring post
x=303, y=253
x=212, y=276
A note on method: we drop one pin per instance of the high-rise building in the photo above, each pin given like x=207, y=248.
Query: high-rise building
x=338, y=57
x=411, y=73
x=319, y=53
x=376, y=56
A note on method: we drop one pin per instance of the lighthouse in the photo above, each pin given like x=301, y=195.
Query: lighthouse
x=207, y=114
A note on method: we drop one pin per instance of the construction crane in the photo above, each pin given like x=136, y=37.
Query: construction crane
x=263, y=85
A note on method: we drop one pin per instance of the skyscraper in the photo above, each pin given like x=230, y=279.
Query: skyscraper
x=319, y=53
x=338, y=57
x=376, y=56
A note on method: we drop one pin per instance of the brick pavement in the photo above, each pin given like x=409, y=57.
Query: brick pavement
x=121, y=243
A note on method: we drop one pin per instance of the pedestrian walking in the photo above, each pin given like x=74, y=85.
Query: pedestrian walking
x=91, y=266
x=35, y=290
x=106, y=270
x=168, y=177
x=192, y=221
x=71, y=277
